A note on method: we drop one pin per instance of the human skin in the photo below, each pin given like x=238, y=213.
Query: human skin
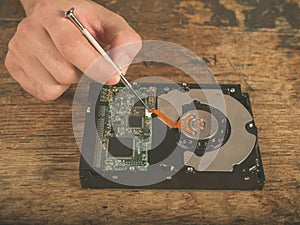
x=48, y=53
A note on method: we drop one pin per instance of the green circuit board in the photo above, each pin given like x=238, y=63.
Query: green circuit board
x=124, y=129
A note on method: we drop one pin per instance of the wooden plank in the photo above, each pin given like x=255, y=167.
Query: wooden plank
x=11, y=10
x=254, y=43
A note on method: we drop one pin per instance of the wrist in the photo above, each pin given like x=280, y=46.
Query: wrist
x=28, y=5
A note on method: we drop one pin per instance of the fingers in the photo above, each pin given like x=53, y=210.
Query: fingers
x=73, y=46
x=24, y=65
x=125, y=43
x=37, y=41
x=113, y=30
x=67, y=38
x=37, y=82
x=48, y=53
x=49, y=56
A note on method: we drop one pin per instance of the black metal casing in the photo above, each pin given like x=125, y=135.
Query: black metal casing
x=248, y=175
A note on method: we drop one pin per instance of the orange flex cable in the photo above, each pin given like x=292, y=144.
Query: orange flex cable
x=166, y=119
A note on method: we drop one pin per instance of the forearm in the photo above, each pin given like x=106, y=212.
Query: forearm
x=28, y=5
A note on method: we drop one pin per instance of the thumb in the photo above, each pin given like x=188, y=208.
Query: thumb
x=123, y=56
x=124, y=44
x=103, y=72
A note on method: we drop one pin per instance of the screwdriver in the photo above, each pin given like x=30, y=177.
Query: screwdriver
x=70, y=14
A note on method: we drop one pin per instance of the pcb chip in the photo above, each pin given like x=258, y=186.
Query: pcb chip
x=135, y=121
x=121, y=147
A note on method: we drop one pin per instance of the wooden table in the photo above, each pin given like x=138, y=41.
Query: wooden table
x=254, y=44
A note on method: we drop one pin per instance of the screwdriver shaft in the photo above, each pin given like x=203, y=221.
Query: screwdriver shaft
x=70, y=14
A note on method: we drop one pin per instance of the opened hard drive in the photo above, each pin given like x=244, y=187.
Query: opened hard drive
x=212, y=144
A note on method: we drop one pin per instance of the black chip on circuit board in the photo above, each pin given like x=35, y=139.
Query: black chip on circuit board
x=120, y=147
x=135, y=121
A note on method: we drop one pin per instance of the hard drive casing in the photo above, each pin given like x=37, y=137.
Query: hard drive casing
x=248, y=175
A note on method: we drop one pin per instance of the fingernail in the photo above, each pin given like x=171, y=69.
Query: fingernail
x=113, y=80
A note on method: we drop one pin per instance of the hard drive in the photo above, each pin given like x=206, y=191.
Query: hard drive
x=127, y=147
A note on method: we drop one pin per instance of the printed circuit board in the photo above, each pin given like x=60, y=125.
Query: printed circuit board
x=124, y=129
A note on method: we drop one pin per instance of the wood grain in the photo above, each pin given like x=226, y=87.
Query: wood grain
x=254, y=43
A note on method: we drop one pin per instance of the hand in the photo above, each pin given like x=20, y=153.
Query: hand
x=48, y=53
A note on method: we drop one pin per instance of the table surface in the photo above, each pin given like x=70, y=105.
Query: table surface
x=252, y=43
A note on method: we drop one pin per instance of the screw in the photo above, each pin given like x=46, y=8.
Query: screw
x=131, y=168
x=190, y=169
x=232, y=90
